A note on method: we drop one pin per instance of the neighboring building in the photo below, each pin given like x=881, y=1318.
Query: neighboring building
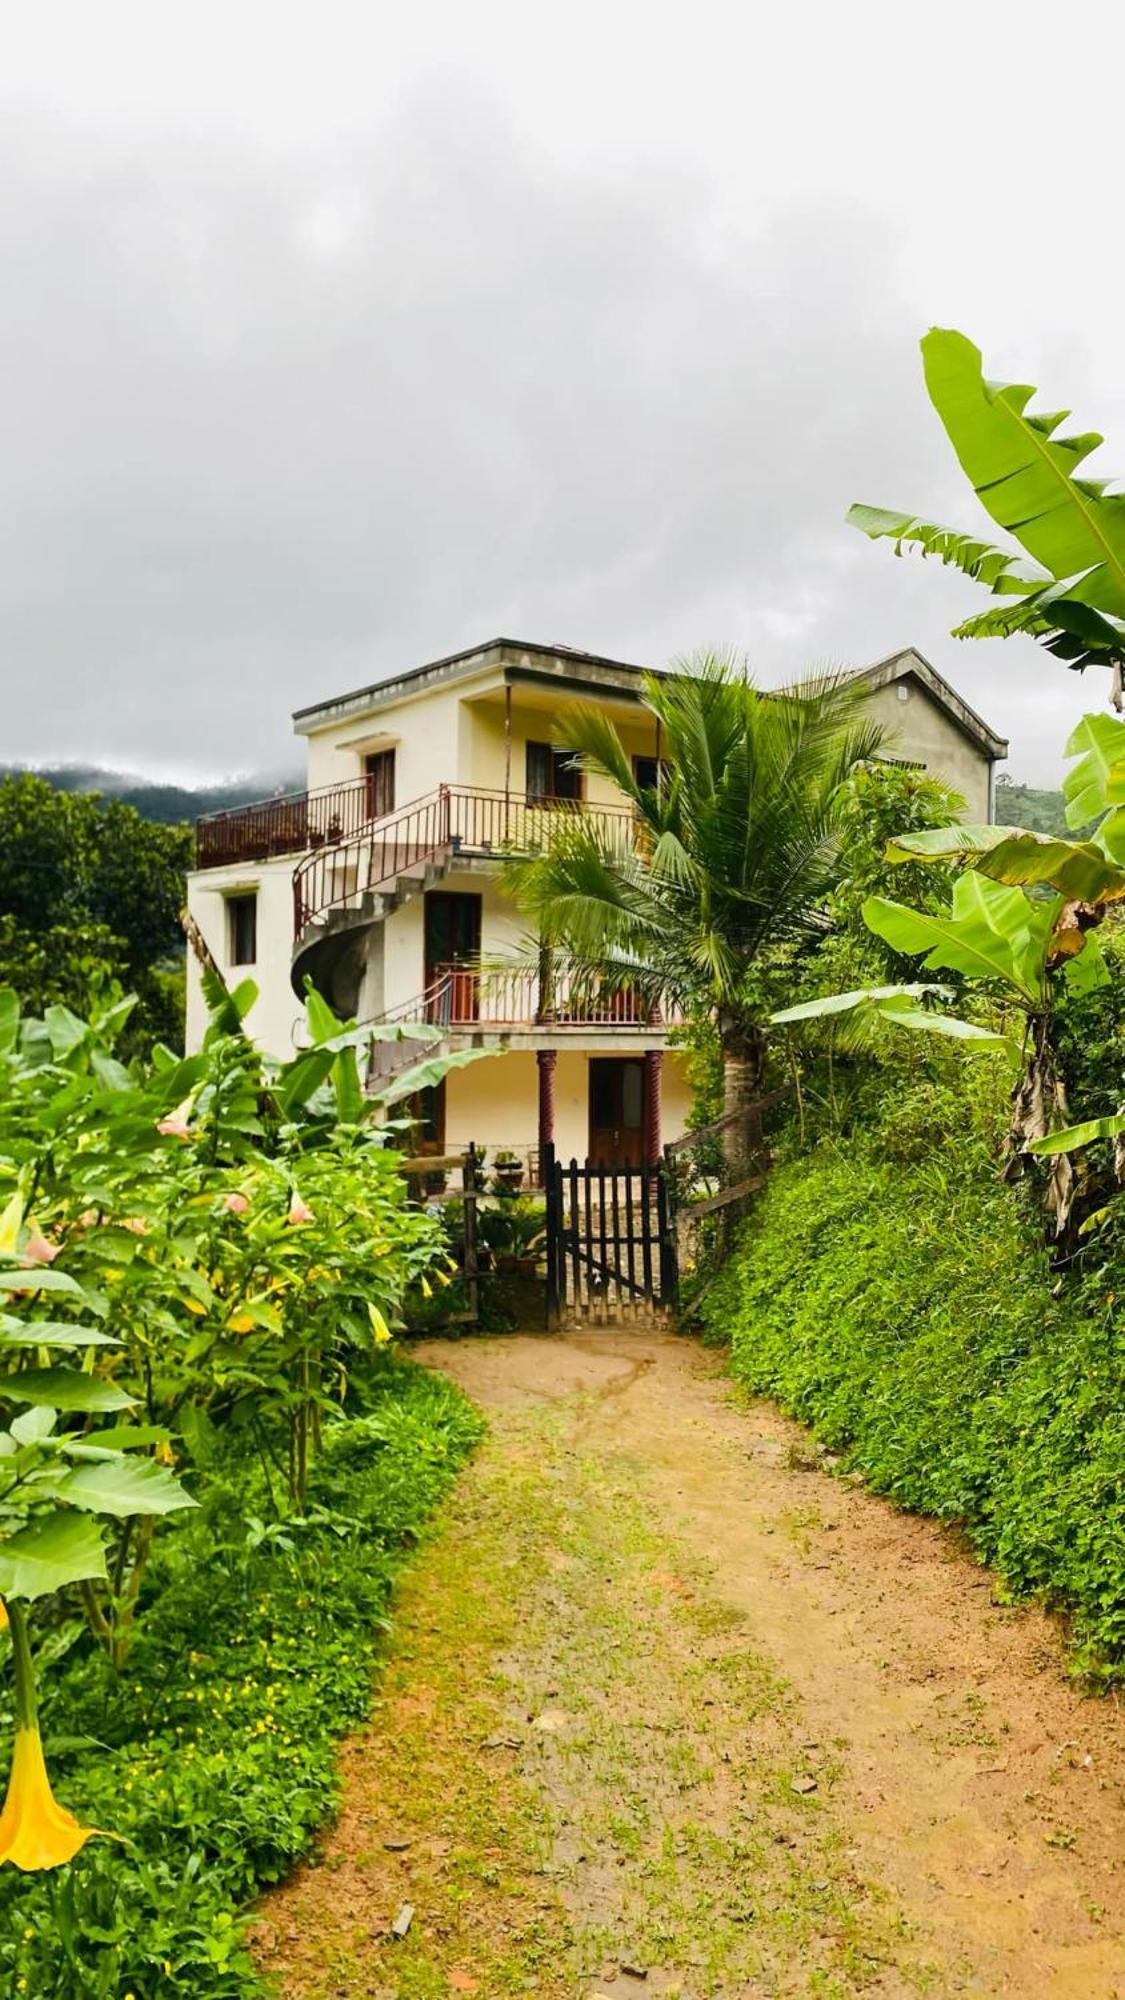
x=382, y=882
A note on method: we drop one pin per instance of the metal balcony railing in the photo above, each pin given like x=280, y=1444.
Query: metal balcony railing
x=455, y=820
x=289, y=824
x=462, y=996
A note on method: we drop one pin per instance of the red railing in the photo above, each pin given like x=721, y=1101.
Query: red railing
x=286, y=825
x=469, y=996
x=456, y=819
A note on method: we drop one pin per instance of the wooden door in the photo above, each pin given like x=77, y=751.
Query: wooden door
x=617, y=1111
x=453, y=938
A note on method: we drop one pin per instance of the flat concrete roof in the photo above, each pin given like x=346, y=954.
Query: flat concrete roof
x=567, y=663
x=597, y=673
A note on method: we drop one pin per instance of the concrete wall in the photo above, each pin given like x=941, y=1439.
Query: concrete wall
x=495, y=1103
x=277, y=1012
x=920, y=731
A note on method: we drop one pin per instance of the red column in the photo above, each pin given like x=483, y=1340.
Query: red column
x=654, y=1068
x=546, y=1058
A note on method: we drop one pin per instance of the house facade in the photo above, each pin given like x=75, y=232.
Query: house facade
x=382, y=881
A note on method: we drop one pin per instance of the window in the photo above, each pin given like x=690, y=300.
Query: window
x=242, y=928
x=552, y=774
x=379, y=771
x=651, y=772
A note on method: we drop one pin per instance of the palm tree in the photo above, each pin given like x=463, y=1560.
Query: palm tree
x=736, y=850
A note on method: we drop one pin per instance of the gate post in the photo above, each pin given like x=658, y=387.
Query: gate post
x=551, y=1176
x=666, y=1226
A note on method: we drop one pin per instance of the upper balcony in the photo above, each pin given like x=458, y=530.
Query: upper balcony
x=293, y=823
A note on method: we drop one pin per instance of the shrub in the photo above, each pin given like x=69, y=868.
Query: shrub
x=213, y=1753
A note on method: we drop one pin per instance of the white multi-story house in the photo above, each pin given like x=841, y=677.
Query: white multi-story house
x=383, y=882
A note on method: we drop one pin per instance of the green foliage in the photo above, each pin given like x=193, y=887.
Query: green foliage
x=739, y=844
x=90, y=893
x=214, y=1753
x=1026, y=805
x=896, y=1296
x=1071, y=595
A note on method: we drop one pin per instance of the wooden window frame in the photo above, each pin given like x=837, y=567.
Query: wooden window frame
x=243, y=901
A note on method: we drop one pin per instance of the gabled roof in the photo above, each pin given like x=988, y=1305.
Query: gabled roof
x=596, y=672
x=913, y=665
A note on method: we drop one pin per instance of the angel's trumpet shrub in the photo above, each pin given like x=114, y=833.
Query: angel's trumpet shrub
x=35, y=1831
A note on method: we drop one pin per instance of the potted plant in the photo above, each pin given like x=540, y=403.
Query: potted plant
x=508, y=1171
x=514, y=1235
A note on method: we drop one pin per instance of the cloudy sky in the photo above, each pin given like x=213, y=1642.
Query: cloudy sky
x=339, y=336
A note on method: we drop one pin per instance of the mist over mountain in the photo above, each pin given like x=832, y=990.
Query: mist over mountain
x=157, y=800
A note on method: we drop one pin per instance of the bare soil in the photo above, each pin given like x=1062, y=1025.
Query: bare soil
x=671, y=1709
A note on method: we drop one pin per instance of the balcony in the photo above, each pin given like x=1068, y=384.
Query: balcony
x=461, y=998
x=293, y=823
x=454, y=823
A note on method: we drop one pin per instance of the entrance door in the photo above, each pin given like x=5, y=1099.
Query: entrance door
x=617, y=1111
x=453, y=938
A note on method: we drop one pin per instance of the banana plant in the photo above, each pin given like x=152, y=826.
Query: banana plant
x=1020, y=946
x=1064, y=582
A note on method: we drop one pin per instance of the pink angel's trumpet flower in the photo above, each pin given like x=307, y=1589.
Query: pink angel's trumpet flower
x=176, y=1126
x=39, y=1249
x=236, y=1203
x=299, y=1211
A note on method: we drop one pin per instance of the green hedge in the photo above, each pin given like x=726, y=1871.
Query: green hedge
x=214, y=1752
x=906, y=1310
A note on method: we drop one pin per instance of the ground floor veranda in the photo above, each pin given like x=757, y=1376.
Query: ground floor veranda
x=600, y=1102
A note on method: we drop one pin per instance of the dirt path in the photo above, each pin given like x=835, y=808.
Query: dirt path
x=666, y=1699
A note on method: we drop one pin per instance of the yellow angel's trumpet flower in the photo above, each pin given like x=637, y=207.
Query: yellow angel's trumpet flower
x=35, y=1831
x=11, y=1223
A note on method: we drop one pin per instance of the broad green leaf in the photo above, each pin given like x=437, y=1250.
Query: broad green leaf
x=34, y=1425
x=9, y=1020
x=118, y=1437
x=845, y=1003
x=44, y=1280
x=991, y=932
x=319, y=1018
x=947, y=843
x=997, y=569
x=1080, y=870
x=1025, y=476
x=63, y=1389
x=50, y=1333
x=970, y=1032
x=67, y=1032
x=351, y=1103
x=1098, y=778
x=48, y=1554
x=1069, y=1138
x=1086, y=970
x=124, y=1486
x=423, y=1075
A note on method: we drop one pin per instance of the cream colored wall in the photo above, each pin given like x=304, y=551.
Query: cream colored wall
x=495, y=1103
x=404, y=934
x=449, y=735
x=921, y=731
x=276, y=1013
x=483, y=749
x=423, y=732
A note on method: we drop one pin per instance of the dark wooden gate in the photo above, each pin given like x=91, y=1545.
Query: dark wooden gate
x=611, y=1248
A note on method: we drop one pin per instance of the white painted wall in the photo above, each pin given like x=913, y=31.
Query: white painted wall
x=276, y=1013
x=495, y=1103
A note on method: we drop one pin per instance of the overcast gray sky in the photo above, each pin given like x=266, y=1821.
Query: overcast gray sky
x=333, y=341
